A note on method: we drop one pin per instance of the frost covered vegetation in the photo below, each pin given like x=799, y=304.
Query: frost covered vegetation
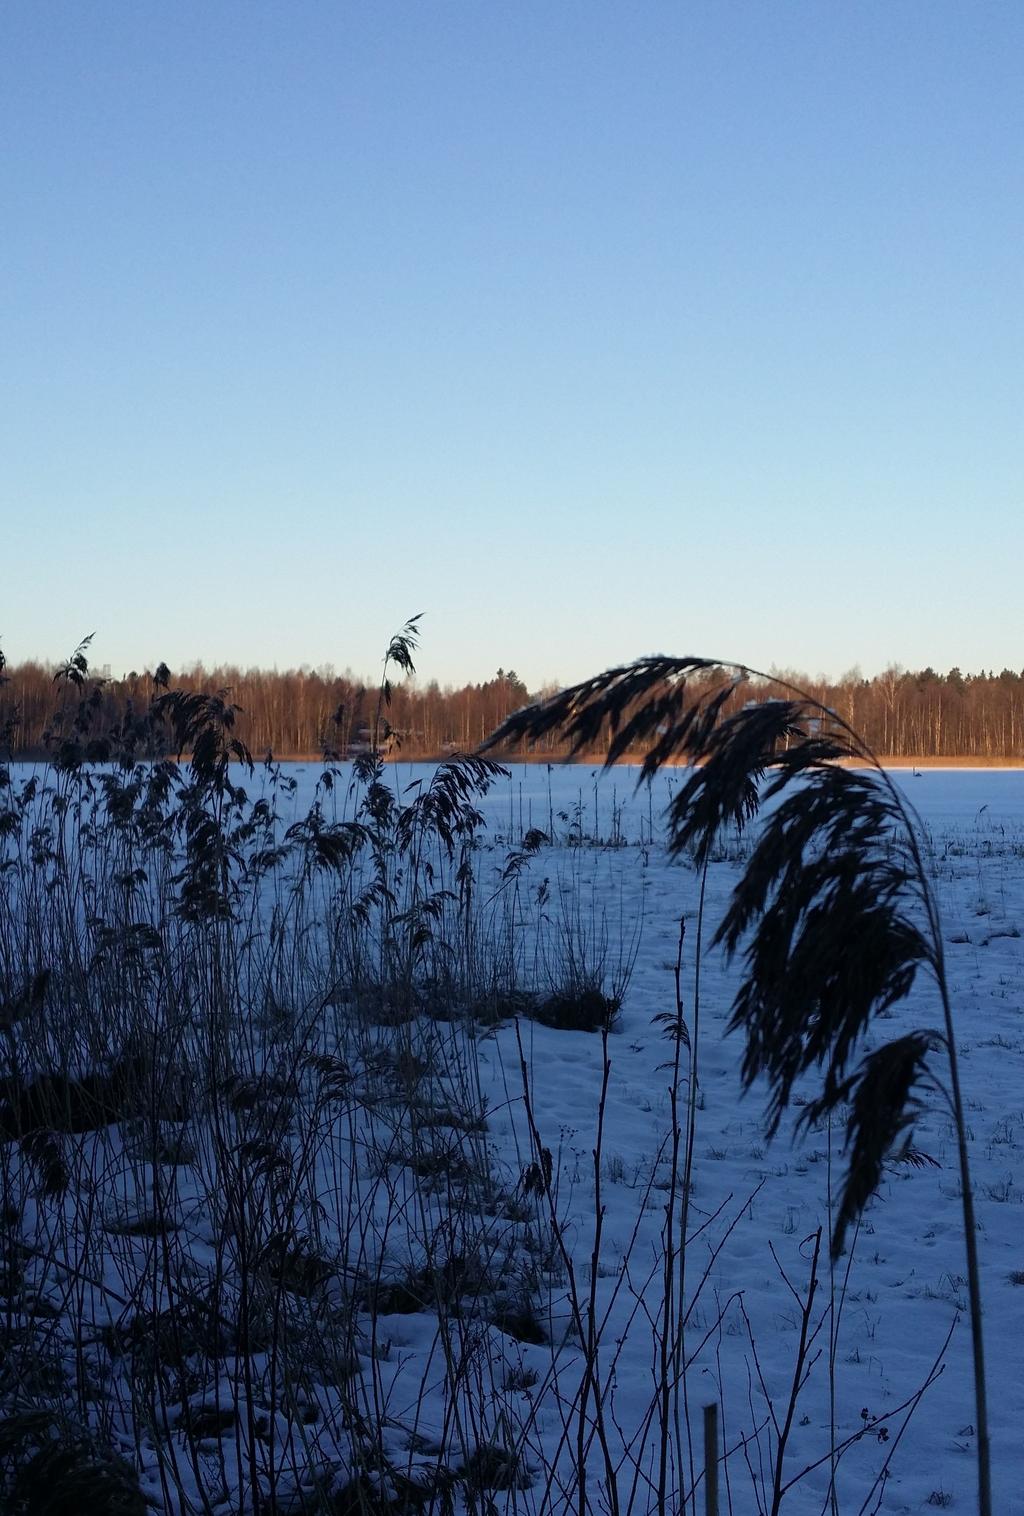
x=369, y=1144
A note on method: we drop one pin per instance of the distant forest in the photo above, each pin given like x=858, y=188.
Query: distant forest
x=303, y=713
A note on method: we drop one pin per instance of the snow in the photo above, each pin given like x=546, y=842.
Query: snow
x=605, y=890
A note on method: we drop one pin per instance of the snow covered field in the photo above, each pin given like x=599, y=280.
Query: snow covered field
x=905, y=1285
x=369, y=1188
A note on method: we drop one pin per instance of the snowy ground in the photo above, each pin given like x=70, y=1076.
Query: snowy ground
x=606, y=892
x=905, y=1287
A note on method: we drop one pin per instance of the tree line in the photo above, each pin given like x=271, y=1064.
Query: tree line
x=304, y=712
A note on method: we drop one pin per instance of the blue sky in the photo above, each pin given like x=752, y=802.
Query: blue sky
x=590, y=330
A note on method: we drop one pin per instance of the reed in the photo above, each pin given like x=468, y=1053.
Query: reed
x=834, y=912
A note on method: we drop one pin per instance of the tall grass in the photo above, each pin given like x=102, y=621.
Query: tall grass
x=834, y=911
x=260, y=1246
x=243, y=1128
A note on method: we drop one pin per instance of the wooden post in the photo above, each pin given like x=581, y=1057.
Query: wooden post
x=711, y=1459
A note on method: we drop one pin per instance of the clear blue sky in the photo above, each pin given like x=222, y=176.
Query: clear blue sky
x=589, y=329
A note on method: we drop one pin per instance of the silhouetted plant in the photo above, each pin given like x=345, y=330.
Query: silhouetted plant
x=242, y=993
x=400, y=653
x=834, y=910
x=203, y=726
x=75, y=669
